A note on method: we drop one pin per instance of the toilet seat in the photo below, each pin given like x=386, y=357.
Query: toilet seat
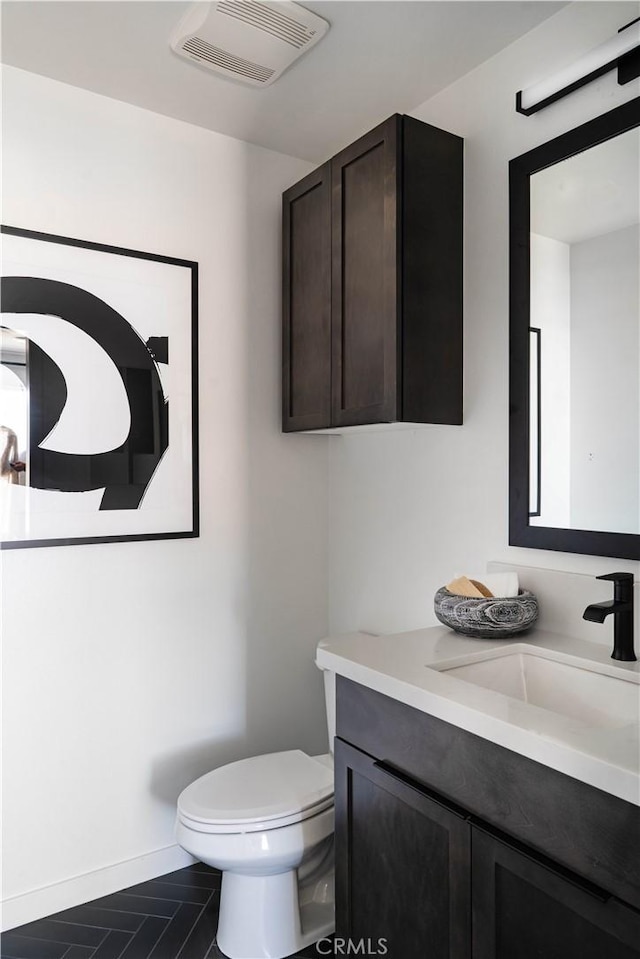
x=219, y=829
x=263, y=792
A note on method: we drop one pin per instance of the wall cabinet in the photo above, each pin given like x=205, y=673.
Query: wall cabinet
x=372, y=283
x=434, y=877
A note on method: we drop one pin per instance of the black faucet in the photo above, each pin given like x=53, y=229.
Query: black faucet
x=622, y=608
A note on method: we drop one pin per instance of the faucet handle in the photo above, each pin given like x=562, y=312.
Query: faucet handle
x=622, y=586
x=617, y=577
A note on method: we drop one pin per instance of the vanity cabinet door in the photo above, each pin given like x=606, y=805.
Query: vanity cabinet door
x=402, y=863
x=526, y=909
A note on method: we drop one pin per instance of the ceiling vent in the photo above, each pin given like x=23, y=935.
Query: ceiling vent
x=253, y=41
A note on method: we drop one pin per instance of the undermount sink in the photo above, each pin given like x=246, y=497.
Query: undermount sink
x=608, y=697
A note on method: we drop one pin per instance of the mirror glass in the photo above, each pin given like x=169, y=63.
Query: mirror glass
x=14, y=404
x=584, y=340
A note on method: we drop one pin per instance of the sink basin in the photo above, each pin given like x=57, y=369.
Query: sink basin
x=593, y=694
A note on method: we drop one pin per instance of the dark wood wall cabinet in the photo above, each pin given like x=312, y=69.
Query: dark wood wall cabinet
x=372, y=283
x=450, y=847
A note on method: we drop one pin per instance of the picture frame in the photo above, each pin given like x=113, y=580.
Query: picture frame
x=99, y=393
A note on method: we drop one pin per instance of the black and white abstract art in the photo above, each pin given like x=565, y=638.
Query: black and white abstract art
x=98, y=393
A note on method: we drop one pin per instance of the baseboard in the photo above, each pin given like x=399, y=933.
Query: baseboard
x=28, y=906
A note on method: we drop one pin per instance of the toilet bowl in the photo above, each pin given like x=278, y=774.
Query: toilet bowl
x=267, y=824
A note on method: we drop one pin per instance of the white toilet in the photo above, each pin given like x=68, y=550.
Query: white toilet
x=267, y=823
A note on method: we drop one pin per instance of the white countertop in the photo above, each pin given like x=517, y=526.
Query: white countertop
x=398, y=666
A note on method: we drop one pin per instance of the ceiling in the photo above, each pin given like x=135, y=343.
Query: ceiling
x=590, y=194
x=378, y=58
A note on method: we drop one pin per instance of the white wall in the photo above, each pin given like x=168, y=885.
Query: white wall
x=130, y=669
x=605, y=397
x=410, y=509
x=550, y=311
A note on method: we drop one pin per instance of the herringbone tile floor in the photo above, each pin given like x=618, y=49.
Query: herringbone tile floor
x=172, y=917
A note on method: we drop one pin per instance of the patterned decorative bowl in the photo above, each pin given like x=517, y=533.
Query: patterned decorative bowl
x=494, y=618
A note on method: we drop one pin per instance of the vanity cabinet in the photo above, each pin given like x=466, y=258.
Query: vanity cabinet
x=451, y=847
x=372, y=283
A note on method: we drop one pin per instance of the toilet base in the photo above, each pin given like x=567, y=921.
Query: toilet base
x=267, y=917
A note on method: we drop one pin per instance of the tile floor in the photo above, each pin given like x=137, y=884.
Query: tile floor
x=172, y=917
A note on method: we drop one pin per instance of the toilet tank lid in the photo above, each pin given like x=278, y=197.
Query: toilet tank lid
x=259, y=788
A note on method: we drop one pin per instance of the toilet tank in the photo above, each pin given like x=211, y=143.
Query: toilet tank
x=330, y=703
x=330, y=689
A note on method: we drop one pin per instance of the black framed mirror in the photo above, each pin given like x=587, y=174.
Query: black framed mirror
x=574, y=377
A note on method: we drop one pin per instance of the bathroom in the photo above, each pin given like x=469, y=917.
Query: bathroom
x=132, y=668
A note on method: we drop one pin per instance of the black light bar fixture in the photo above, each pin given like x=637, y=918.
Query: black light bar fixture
x=623, y=52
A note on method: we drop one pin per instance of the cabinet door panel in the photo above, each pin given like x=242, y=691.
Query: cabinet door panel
x=524, y=910
x=365, y=279
x=306, y=229
x=402, y=864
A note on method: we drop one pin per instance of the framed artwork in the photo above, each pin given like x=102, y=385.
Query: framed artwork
x=98, y=393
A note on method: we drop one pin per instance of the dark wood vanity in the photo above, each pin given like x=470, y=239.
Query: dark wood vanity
x=449, y=846
x=372, y=283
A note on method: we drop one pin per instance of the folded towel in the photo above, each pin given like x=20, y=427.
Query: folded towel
x=500, y=584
